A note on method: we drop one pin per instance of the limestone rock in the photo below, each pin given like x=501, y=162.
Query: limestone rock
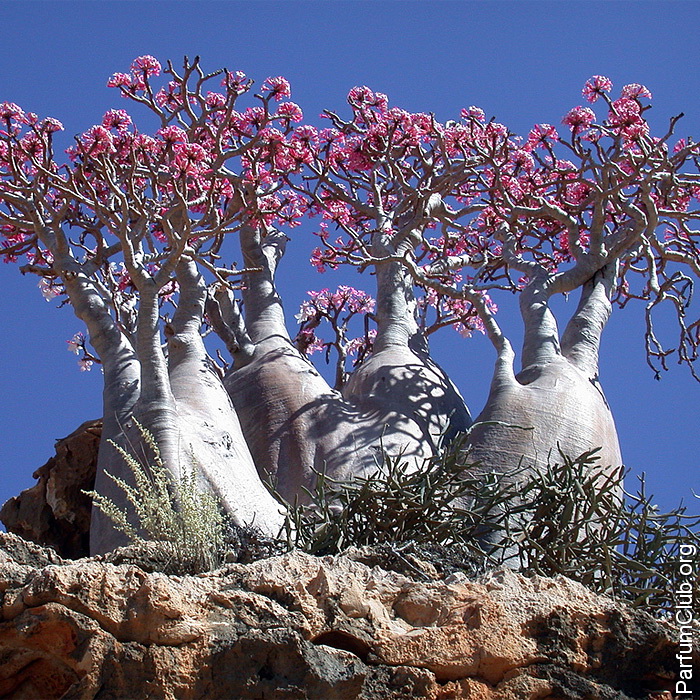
x=298, y=626
x=54, y=512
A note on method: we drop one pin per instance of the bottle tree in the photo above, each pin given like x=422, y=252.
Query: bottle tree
x=135, y=231
x=605, y=212
x=127, y=229
x=397, y=399
x=132, y=231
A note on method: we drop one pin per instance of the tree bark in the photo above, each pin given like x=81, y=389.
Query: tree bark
x=181, y=401
x=294, y=423
x=121, y=390
x=210, y=434
x=400, y=383
x=556, y=402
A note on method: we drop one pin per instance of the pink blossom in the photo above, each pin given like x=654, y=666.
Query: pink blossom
x=252, y=117
x=634, y=132
x=215, y=100
x=381, y=101
x=50, y=125
x=595, y=87
x=307, y=311
x=158, y=233
x=361, y=96
x=32, y=145
x=467, y=319
x=363, y=343
x=290, y=111
x=625, y=112
x=12, y=233
x=635, y=91
x=306, y=134
x=119, y=80
x=356, y=159
x=146, y=146
x=236, y=82
x=522, y=160
x=172, y=135
x=292, y=207
x=355, y=300
x=577, y=193
x=10, y=111
x=319, y=259
x=116, y=119
x=540, y=135
x=146, y=65
x=170, y=96
x=49, y=289
x=278, y=87
x=76, y=343
x=85, y=364
x=457, y=139
x=496, y=133
x=309, y=342
x=189, y=157
x=303, y=144
x=594, y=135
x=97, y=140
x=473, y=112
x=579, y=118
x=121, y=275
x=330, y=303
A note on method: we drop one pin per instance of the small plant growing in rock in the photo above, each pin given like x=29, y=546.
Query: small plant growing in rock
x=401, y=502
x=185, y=524
x=587, y=527
x=572, y=518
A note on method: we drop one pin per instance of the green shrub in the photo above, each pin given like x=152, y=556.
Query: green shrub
x=185, y=523
x=572, y=518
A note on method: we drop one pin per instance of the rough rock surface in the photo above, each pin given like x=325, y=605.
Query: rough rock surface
x=297, y=626
x=54, y=512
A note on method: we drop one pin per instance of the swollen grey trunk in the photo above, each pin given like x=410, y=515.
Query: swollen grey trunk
x=400, y=383
x=179, y=399
x=294, y=423
x=556, y=402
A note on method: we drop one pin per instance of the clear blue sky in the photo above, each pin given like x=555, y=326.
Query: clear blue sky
x=522, y=62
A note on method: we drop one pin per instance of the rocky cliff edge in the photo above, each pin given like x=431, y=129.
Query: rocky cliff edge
x=298, y=626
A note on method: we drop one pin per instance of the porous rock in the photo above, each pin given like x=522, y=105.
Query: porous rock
x=55, y=512
x=298, y=626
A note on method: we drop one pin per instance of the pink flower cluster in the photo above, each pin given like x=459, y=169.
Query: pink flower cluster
x=625, y=118
x=369, y=178
x=579, y=119
x=142, y=69
x=277, y=87
x=596, y=87
x=331, y=304
x=362, y=98
x=541, y=136
x=337, y=308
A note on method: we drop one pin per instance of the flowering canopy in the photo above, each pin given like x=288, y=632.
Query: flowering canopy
x=448, y=217
x=470, y=208
x=467, y=207
x=128, y=205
